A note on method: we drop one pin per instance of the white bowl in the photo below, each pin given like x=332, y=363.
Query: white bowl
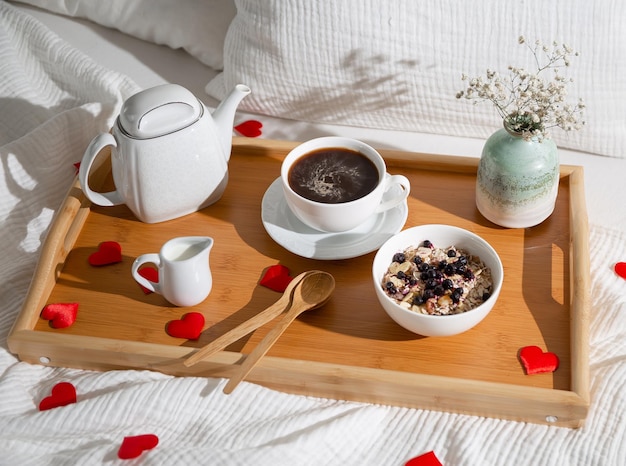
x=441, y=236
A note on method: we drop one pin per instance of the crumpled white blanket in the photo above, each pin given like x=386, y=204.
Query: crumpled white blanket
x=53, y=100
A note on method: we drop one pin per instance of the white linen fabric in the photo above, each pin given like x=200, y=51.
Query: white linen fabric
x=53, y=100
x=397, y=64
x=197, y=26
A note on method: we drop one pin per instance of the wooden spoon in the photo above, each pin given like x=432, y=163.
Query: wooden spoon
x=247, y=326
x=313, y=291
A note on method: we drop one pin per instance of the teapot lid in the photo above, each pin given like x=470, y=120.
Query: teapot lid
x=158, y=111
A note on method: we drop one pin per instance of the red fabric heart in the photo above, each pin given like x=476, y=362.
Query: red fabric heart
x=77, y=167
x=536, y=361
x=427, y=459
x=620, y=269
x=189, y=327
x=249, y=128
x=62, y=394
x=60, y=315
x=276, y=278
x=149, y=273
x=134, y=446
x=109, y=252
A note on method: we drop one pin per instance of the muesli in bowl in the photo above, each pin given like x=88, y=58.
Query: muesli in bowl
x=437, y=280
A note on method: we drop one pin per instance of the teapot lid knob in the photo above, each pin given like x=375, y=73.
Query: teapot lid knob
x=159, y=110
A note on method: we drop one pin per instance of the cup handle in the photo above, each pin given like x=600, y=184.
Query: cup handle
x=93, y=149
x=146, y=259
x=404, y=187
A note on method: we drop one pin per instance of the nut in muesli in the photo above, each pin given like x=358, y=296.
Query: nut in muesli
x=437, y=281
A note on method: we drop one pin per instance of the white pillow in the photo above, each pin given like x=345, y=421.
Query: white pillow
x=197, y=26
x=397, y=64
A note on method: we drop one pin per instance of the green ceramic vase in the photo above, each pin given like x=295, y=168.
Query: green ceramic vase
x=518, y=180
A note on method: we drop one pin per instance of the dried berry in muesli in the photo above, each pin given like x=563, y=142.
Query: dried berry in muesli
x=437, y=281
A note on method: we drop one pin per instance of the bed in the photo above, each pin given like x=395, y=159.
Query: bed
x=65, y=69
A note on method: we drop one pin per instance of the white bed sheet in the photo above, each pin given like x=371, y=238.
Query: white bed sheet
x=195, y=422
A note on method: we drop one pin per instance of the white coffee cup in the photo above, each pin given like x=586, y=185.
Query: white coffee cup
x=184, y=274
x=342, y=216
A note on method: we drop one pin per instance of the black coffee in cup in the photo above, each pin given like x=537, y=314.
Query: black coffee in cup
x=333, y=175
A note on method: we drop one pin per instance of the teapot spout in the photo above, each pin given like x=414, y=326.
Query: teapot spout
x=224, y=116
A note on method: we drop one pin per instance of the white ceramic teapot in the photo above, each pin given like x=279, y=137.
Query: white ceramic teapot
x=169, y=155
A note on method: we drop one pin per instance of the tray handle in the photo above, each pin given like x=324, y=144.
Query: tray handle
x=59, y=241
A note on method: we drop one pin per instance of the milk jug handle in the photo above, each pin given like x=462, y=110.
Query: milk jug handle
x=95, y=146
x=151, y=258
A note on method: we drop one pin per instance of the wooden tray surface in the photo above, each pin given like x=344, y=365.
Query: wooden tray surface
x=350, y=348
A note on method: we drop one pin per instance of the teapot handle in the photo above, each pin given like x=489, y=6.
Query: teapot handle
x=95, y=146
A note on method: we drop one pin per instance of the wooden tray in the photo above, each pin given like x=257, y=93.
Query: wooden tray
x=349, y=349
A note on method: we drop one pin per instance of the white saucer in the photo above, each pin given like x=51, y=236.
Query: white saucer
x=288, y=231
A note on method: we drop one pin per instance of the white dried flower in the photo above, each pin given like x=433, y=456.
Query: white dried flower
x=528, y=104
